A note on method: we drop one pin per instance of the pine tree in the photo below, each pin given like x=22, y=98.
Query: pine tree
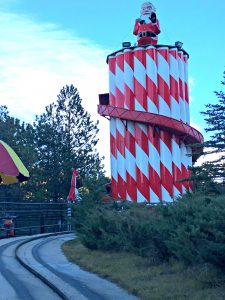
x=215, y=119
x=211, y=174
x=66, y=138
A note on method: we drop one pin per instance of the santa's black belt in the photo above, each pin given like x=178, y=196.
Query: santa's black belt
x=146, y=33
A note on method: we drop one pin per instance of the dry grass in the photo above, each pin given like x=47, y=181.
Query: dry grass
x=162, y=282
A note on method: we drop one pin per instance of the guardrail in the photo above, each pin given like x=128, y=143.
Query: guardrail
x=30, y=218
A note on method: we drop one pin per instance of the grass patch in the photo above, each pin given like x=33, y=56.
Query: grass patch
x=150, y=282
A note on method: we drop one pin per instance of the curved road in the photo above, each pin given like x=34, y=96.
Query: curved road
x=45, y=273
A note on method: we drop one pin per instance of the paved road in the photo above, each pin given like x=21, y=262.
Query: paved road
x=46, y=258
x=16, y=283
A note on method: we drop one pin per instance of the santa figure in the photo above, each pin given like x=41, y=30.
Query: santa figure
x=147, y=26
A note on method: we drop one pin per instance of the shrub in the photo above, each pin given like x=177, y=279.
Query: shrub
x=191, y=229
x=200, y=233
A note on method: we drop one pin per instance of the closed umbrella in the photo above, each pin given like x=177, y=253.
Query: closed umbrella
x=73, y=193
x=12, y=170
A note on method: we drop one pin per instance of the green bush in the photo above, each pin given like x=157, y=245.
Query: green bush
x=191, y=229
x=200, y=233
x=122, y=226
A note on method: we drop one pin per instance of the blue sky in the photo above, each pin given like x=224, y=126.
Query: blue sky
x=46, y=44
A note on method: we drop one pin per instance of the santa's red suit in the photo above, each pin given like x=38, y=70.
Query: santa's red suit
x=146, y=33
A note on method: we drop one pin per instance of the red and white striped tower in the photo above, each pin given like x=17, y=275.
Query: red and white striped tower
x=166, y=166
x=113, y=148
x=163, y=81
x=184, y=166
x=130, y=151
x=152, y=80
x=174, y=84
x=189, y=156
x=120, y=129
x=140, y=79
x=176, y=166
x=142, y=168
x=181, y=86
x=130, y=154
x=150, y=134
x=112, y=79
x=154, y=164
x=121, y=160
x=187, y=107
x=119, y=80
x=141, y=135
x=129, y=79
x=113, y=158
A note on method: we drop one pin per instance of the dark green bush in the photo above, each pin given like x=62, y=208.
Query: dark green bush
x=191, y=229
x=200, y=233
x=122, y=226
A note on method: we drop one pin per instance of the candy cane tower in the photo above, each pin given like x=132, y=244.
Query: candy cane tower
x=148, y=108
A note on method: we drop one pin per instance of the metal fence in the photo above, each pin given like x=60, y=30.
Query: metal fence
x=33, y=218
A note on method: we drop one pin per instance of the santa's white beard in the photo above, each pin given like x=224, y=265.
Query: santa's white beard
x=146, y=18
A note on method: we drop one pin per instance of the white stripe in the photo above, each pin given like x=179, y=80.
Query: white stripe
x=121, y=165
x=138, y=106
x=154, y=158
x=181, y=68
x=184, y=190
x=153, y=197
x=175, y=108
x=119, y=79
x=128, y=76
x=166, y=196
x=130, y=164
x=187, y=110
x=176, y=192
x=113, y=127
x=182, y=110
x=165, y=156
x=130, y=128
x=189, y=152
x=143, y=128
x=163, y=68
x=120, y=127
x=185, y=71
x=113, y=162
x=176, y=154
x=112, y=79
x=174, y=72
x=151, y=69
x=151, y=106
x=184, y=158
x=139, y=72
x=142, y=160
x=164, y=109
x=140, y=197
x=128, y=198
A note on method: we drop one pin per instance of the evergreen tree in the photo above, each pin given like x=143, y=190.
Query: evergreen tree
x=215, y=119
x=212, y=173
x=66, y=138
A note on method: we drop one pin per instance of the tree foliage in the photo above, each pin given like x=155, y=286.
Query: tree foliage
x=61, y=138
x=65, y=138
x=212, y=172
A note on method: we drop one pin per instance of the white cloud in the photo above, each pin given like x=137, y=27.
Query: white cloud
x=208, y=157
x=37, y=60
